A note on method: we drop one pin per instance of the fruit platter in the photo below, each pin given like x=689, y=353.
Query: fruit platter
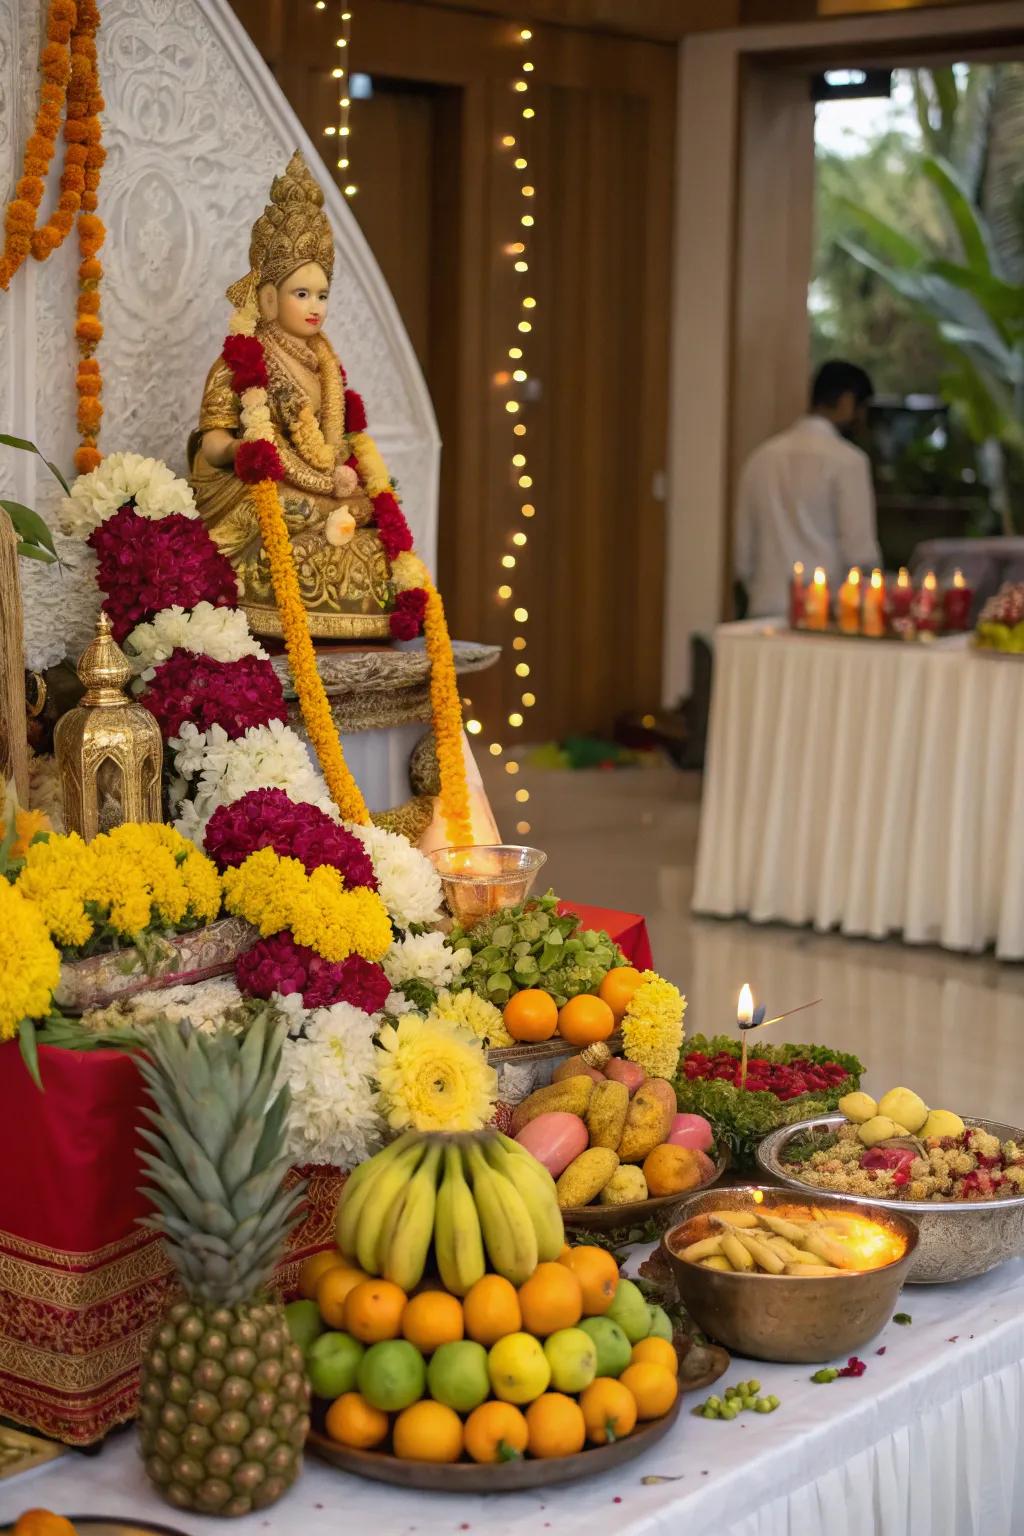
x=613, y=1141
x=784, y=1084
x=1000, y=627
x=961, y=1178
x=454, y=1340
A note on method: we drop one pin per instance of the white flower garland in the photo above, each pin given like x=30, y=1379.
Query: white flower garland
x=119, y=478
x=223, y=634
x=410, y=886
x=217, y=770
x=334, y=1114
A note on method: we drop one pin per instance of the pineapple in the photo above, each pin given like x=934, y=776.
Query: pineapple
x=225, y=1401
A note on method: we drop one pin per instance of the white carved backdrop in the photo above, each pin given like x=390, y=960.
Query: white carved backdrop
x=195, y=128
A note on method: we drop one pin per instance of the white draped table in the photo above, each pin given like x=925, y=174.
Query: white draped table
x=872, y=786
x=926, y=1443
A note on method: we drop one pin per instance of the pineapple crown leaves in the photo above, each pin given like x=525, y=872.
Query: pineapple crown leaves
x=215, y=1154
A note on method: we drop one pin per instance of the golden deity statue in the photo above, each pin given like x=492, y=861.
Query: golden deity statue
x=344, y=572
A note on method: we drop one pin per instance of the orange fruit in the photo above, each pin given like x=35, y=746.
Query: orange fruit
x=670, y=1170
x=373, y=1311
x=618, y=987
x=552, y=1298
x=431, y=1319
x=609, y=1410
x=351, y=1420
x=597, y=1273
x=654, y=1351
x=531, y=1015
x=496, y=1432
x=653, y=1387
x=556, y=1426
x=332, y=1290
x=40, y=1522
x=428, y=1431
x=585, y=1019
x=316, y=1266
x=491, y=1310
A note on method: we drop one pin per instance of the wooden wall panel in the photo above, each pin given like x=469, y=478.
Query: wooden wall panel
x=433, y=178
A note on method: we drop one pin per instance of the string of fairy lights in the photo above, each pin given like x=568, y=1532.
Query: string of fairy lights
x=515, y=148
x=341, y=129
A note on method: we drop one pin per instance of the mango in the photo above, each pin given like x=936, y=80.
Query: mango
x=905, y=1107
x=576, y=1067
x=942, y=1122
x=648, y=1120
x=669, y=1170
x=622, y=1071
x=879, y=1128
x=570, y=1096
x=586, y=1176
x=606, y=1113
x=857, y=1107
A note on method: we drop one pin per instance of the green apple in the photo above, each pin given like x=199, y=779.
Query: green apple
x=457, y=1375
x=613, y=1348
x=572, y=1356
x=661, y=1323
x=332, y=1363
x=304, y=1322
x=629, y=1310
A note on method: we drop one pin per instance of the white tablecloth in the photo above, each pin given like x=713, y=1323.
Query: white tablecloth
x=926, y=1443
x=873, y=787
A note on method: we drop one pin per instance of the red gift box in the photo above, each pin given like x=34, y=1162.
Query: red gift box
x=81, y=1284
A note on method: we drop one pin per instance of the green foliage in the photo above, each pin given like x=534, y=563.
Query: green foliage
x=741, y=1118
x=534, y=946
x=35, y=541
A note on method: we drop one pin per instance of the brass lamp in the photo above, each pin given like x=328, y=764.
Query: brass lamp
x=108, y=749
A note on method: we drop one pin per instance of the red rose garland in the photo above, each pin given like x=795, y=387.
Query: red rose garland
x=236, y=695
x=278, y=964
x=269, y=818
x=147, y=564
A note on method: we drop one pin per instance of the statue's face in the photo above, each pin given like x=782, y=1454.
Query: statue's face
x=301, y=300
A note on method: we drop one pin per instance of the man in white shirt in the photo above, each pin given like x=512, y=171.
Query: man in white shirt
x=807, y=495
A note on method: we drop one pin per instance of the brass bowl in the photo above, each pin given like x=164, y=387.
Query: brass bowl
x=957, y=1238
x=784, y=1317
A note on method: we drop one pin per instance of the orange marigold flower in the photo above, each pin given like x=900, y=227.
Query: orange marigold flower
x=88, y=328
x=90, y=413
x=90, y=271
x=88, y=367
x=55, y=63
x=88, y=303
x=87, y=459
x=75, y=154
x=30, y=191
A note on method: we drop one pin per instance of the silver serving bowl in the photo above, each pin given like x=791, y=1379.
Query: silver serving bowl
x=958, y=1239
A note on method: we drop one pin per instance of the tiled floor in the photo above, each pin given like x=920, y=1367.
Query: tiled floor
x=950, y=1026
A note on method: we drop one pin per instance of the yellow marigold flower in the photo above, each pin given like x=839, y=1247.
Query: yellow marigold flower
x=446, y=707
x=29, y=963
x=652, y=1026
x=372, y=470
x=58, y=878
x=468, y=1011
x=274, y=893
x=27, y=825
x=433, y=1077
x=183, y=883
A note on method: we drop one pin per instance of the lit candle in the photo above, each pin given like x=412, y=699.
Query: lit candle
x=849, y=603
x=873, y=618
x=744, y=1019
x=900, y=597
x=957, y=603
x=816, y=601
x=796, y=595
x=924, y=610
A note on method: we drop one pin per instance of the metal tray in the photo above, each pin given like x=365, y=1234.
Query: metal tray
x=98, y=1525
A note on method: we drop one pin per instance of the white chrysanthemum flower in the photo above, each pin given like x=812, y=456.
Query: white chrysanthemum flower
x=221, y=771
x=223, y=634
x=410, y=886
x=424, y=957
x=204, y=1005
x=292, y=1007
x=122, y=477
x=334, y=1116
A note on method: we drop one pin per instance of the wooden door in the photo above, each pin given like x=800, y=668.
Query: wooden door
x=440, y=201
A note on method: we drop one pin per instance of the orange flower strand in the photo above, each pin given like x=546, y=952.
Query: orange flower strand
x=446, y=707
x=316, y=711
x=55, y=66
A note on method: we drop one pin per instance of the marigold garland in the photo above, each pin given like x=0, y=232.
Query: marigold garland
x=274, y=893
x=446, y=707
x=29, y=963
x=69, y=90
x=652, y=1026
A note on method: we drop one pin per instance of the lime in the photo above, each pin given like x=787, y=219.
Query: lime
x=519, y=1368
x=332, y=1363
x=629, y=1310
x=457, y=1375
x=661, y=1323
x=304, y=1323
x=572, y=1356
x=613, y=1348
x=392, y=1375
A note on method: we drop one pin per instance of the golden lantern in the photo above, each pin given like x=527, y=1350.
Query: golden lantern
x=108, y=749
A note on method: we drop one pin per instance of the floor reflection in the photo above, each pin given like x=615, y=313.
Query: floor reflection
x=950, y=1026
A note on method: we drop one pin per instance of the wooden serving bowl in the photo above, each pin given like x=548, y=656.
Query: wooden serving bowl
x=610, y=1218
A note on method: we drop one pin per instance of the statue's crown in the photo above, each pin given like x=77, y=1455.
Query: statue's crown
x=291, y=230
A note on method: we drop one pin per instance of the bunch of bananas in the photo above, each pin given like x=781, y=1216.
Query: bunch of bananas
x=482, y=1199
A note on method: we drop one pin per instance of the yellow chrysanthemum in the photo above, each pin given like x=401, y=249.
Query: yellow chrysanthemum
x=468, y=1011
x=27, y=825
x=29, y=962
x=274, y=893
x=652, y=1026
x=183, y=883
x=58, y=878
x=433, y=1077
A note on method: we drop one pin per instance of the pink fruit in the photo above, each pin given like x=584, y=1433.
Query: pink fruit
x=554, y=1139
x=691, y=1131
x=621, y=1071
x=576, y=1067
x=708, y=1169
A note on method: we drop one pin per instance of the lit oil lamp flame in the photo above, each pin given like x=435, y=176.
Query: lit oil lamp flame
x=876, y=579
x=903, y=579
x=930, y=582
x=745, y=1006
x=958, y=579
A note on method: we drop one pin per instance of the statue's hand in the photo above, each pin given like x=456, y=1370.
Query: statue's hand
x=346, y=481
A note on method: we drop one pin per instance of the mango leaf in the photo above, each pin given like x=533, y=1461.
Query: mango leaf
x=27, y=447
x=30, y=1051
x=29, y=525
x=971, y=231
x=33, y=552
